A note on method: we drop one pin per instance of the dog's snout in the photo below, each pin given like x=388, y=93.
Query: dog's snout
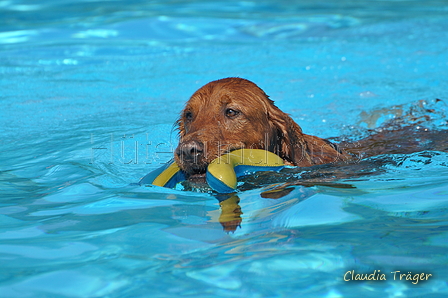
x=191, y=150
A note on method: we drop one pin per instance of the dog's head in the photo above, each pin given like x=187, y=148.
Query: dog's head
x=226, y=115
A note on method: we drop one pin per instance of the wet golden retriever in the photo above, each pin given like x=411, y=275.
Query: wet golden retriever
x=234, y=113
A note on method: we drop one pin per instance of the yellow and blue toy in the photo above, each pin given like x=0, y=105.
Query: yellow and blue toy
x=222, y=173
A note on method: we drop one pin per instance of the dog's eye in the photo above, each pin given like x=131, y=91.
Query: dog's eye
x=188, y=115
x=231, y=113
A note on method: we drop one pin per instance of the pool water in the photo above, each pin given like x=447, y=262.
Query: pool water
x=89, y=92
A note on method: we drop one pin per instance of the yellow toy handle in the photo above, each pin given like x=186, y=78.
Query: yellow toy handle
x=222, y=172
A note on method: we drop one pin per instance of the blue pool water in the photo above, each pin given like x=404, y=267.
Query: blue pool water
x=89, y=92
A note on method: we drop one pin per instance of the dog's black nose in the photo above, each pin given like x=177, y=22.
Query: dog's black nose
x=190, y=150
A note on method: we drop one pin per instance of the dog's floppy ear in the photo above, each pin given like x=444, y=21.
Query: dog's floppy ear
x=291, y=144
x=298, y=148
